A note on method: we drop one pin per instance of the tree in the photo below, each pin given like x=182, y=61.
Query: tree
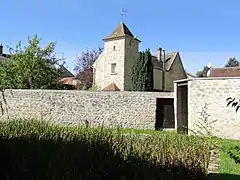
x=31, y=67
x=202, y=73
x=232, y=62
x=136, y=72
x=142, y=72
x=83, y=67
x=148, y=71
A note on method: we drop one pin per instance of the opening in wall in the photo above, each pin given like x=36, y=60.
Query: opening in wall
x=164, y=113
x=113, y=68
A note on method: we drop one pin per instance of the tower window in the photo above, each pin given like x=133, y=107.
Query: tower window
x=114, y=48
x=113, y=68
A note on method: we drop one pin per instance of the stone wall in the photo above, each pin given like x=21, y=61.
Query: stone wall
x=126, y=109
x=213, y=93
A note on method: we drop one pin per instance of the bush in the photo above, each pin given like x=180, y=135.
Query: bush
x=37, y=150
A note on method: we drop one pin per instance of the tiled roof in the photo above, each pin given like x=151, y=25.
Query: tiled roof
x=225, y=72
x=170, y=57
x=65, y=72
x=111, y=87
x=67, y=80
x=156, y=63
x=121, y=31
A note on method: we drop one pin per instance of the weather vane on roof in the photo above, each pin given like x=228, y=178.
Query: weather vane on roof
x=123, y=13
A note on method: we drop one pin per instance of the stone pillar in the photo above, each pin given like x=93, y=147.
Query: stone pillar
x=175, y=105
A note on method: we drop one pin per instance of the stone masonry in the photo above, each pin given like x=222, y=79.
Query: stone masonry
x=125, y=109
x=213, y=93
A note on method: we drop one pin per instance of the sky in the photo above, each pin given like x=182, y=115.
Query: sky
x=202, y=31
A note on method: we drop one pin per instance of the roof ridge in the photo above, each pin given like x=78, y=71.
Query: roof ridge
x=235, y=67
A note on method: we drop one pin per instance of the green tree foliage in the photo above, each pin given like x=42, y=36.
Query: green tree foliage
x=202, y=73
x=136, y=75
x=142, y=72
x=148, y=72
x=232, y=62
x=31, y=67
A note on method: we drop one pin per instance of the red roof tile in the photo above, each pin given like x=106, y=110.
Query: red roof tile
x=225, y=72
x=67, y=80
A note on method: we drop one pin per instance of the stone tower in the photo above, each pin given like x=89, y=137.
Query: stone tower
x=115, y=63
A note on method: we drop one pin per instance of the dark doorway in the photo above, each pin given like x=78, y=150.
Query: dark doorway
x=182, y=108
x=164, y=113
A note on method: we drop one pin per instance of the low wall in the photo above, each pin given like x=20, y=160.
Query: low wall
x=213, y=93
x=126, y=109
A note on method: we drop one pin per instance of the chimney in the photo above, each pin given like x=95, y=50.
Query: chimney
x=159, y=54
x=1, y=49
x=163, y=70
x=164, y=59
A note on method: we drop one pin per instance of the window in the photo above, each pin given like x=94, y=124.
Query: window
x=113, y=68
x=114, y=48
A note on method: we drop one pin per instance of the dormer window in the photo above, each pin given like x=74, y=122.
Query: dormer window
x=113, y=68
x=114, y=48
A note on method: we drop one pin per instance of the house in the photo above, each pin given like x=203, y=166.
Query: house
x=225, y=72
x=121, y=50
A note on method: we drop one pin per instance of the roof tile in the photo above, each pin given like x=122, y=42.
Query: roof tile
x=121, y=31
x=225, y=72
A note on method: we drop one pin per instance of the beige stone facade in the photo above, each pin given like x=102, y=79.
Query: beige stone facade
x=206, y=100
x=121, y=50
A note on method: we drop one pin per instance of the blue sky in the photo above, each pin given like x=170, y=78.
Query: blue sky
x=202, y=31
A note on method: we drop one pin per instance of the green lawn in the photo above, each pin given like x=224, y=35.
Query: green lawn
x=141, y=131
x=227, y=165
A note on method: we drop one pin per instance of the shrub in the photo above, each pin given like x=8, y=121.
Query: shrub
x=93, y=88
x=38, y=150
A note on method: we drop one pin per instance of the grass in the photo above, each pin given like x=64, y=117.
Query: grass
x=141, y=131
x=227, y=165
x=33, y=149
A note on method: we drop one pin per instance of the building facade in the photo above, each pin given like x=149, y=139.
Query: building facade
x=121, y=50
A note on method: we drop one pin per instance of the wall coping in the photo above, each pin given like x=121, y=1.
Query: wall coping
x=160, y=94
x=205, y=78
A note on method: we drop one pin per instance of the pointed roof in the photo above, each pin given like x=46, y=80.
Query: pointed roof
x=121, y=31
x=111, y=87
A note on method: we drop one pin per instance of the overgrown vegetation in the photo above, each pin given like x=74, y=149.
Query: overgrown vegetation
x=142, y=72
x=206, y=128
x=37, y=150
